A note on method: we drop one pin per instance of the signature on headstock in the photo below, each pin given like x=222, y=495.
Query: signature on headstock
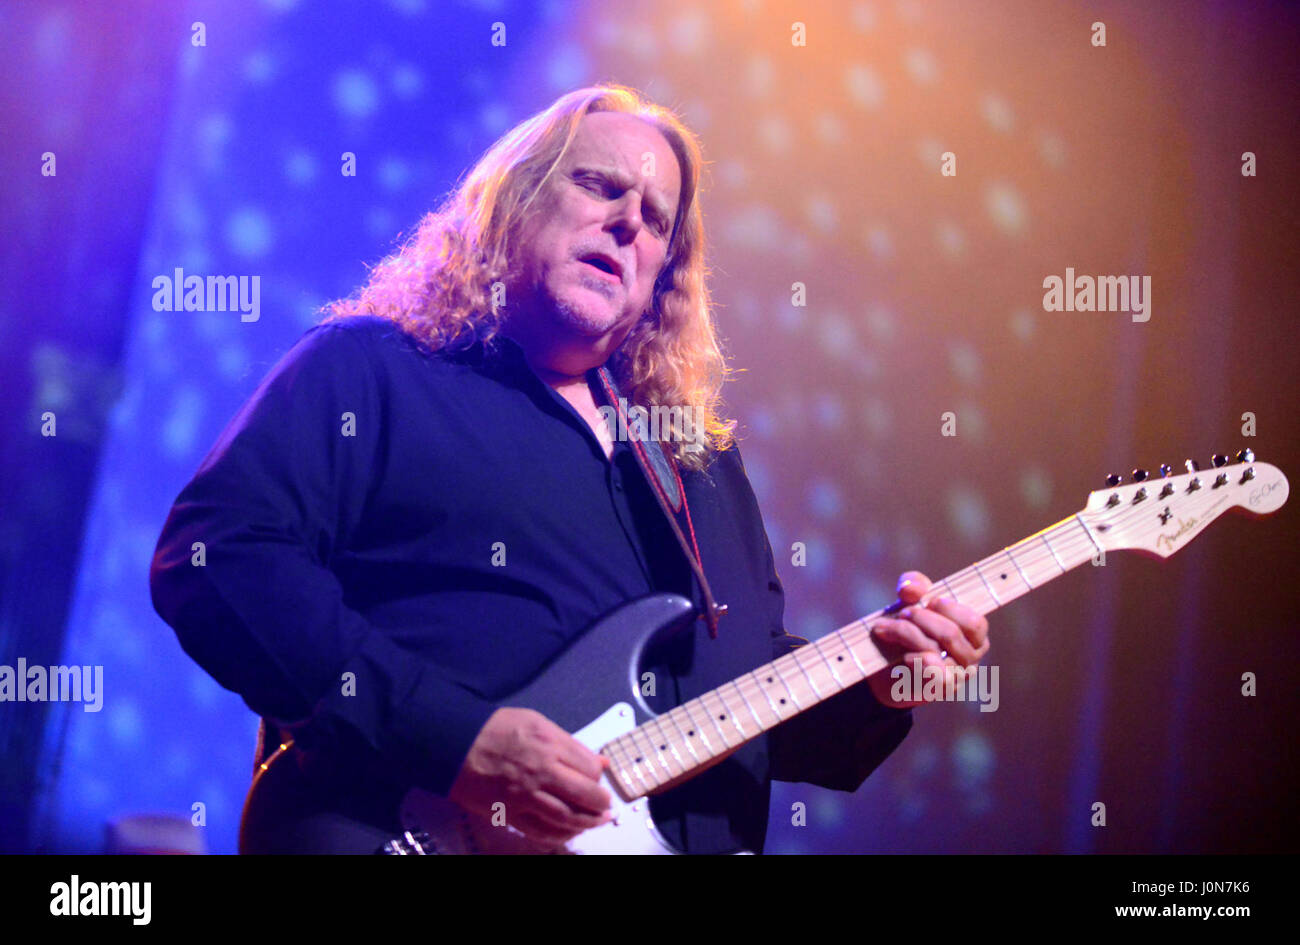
x=1260, y=493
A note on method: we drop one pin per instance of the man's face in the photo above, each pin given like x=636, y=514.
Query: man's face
x=596, y=237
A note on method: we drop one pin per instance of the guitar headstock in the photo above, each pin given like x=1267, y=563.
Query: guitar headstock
x=1161, y=515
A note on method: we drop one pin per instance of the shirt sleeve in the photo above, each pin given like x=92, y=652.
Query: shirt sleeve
x=839, y=742
x=242, y=570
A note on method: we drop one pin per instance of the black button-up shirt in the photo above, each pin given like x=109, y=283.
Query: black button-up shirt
x=441, y=525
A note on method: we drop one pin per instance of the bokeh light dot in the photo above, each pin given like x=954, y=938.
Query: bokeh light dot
x=950, y=239
x=921, y=66
x=997, y=113
x=968, y=513
x=124, y=722
x=568, y=68
x=355, y=93
x=689, y=32
x=1006, y=207
x=964, y=359
x=406, y=80
x=248, y=232
x=259, y=67
x=864, y=86
x=824, y=499
x=394, y=173
x=1035, y=487
x=300, y=167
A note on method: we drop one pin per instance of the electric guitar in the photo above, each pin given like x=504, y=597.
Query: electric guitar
x=592, y=688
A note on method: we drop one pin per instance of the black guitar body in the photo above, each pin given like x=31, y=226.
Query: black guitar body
x=623, y=671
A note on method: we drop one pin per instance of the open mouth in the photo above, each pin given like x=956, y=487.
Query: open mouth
x=605, y=264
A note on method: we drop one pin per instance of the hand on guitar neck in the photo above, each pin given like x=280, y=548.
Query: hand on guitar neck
x=940, y=633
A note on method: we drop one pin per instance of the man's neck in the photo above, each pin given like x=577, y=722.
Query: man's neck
x=557, y=379
x=561, y=360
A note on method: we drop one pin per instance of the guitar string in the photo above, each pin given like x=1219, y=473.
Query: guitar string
x=970, y=579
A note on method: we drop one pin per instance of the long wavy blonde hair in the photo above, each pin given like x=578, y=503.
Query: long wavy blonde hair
x=438, y=287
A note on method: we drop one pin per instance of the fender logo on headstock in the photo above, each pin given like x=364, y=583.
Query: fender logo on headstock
x=1184, y=526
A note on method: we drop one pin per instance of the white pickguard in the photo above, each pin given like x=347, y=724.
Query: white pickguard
x=453, y=830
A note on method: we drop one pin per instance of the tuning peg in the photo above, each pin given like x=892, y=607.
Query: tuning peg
x=1192, y=465
x=1114, y=479
x=1165, y=469
x=1246, y=456
x=1219, y=460
x=1140, y=475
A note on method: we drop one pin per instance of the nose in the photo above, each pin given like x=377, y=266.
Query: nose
x=625, y=217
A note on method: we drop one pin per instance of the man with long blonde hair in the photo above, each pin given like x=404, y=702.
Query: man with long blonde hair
x=479, y=509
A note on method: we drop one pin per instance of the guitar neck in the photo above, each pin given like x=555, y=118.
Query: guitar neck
x=683, y=741
x=1155, y=516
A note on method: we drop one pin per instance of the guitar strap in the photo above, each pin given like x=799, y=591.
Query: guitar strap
x=660, y=470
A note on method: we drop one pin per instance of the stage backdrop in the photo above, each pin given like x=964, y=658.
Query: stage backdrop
x=889, y=185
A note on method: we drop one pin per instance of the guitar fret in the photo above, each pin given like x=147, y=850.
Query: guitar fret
x=1009, y=591
x=817, y=696
x=636, y=770
x=697, y=727
x=776, y=672
x=834, y=675
x=854, y=656
x=615, y=747
x=667, y=742
x=1007, y=551
x=757, y=720
x=1091, y=537
x=647, y=754
x=672, y=717
x=714, y=720
x=1053, y=551
x=770, y=703
x=629, y=754
x=992, y=593
x=618, y=765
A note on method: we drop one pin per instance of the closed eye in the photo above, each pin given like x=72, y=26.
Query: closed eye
x=594, y=184
x=610, y=190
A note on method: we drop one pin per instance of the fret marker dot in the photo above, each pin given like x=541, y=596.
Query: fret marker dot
x=1004, y=577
